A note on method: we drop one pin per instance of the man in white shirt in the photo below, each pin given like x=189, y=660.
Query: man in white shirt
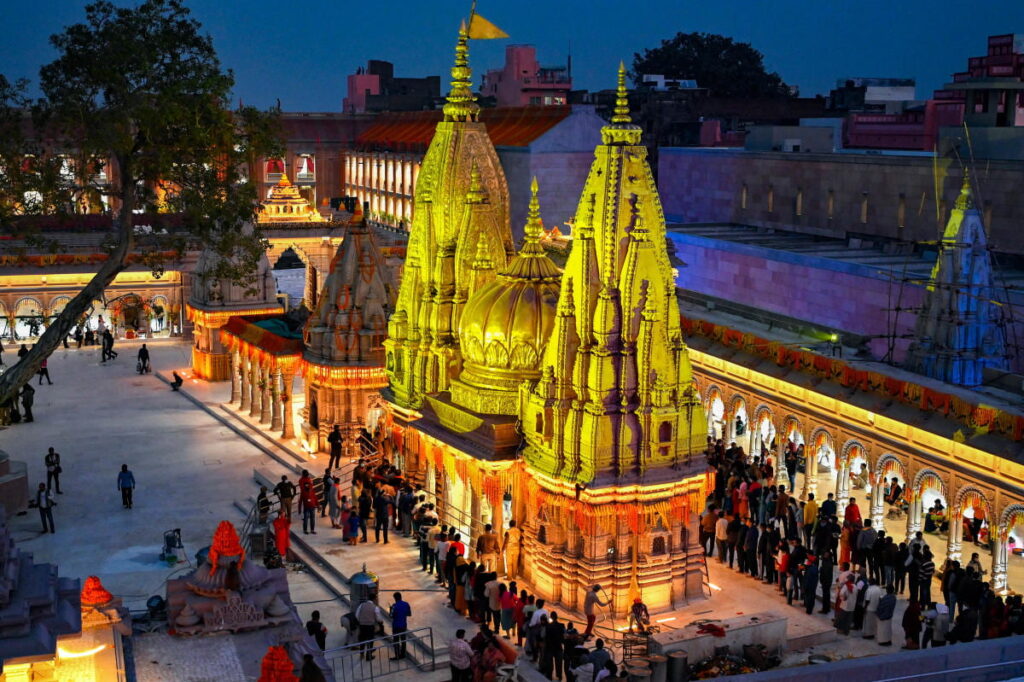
x=442, y=552
x=721, y=536
x=871, y=597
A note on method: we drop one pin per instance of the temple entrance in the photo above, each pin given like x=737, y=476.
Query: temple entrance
x=762, y=436
x=158, y=317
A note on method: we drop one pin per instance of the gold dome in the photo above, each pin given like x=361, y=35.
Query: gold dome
x=506, y=323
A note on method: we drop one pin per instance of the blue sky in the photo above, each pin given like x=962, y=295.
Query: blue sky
x=301, y=52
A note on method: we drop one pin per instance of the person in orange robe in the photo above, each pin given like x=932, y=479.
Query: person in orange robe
x=282, y=535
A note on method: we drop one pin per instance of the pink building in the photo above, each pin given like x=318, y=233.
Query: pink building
x=524, y=82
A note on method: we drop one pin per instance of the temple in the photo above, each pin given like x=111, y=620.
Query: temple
x=613, y=420
x=286, y=205
x=960, y=330
x=460, y=238
x=343, y=356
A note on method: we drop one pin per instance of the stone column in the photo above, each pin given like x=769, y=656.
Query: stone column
x=842, y=487
x=877, y=500
x=275, y=400
x=999, y=557
x=243, y=378
x=956, y=534
x=476, y=527
x=914, y=515
x=254, y=388
x=234, y=377
x=810, y=469
x=266, y=400
x=287, y=428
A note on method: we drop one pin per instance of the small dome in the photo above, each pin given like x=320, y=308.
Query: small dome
x=505, y=324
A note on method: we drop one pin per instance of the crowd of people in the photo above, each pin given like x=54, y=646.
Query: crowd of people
x=478, y=580
x=755, y=524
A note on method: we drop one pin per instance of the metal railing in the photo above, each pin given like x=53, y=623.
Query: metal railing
x=350, y=663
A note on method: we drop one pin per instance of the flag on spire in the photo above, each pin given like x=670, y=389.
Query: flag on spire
x=481, y=29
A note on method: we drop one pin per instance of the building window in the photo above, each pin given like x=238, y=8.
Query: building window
x=305, y=168
x=901, y=212
x=743, y=197
x=799, y=201
x=864, y=207
x=658, y=547
x=831, y=204
x=987, y=216
x=771, y=198
x=542, y=535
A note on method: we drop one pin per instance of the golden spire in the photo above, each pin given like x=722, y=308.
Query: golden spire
x=621, y=130
x=284, y=181
x=533, y=231
x=621, y=98
x=965, y=201
x=461, y=104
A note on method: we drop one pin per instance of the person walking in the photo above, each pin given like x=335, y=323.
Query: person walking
x=44, y=373
x=400, y=613
x=334, y=440
x=142, y=364
x=317, y=630
x=285, y=491
x=53, y=470
x=28, y=396
x=45, y=503
x=126, y=484
x=590, y=604
x=309, y=502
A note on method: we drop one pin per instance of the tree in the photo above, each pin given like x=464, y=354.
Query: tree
x=141, y=89
x=725, y=67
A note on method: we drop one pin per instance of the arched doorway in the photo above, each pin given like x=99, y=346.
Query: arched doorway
x=57, y=306
x=852, y=458
x=715, y=407
x=6, y=327
x=1010, y=550
x=160, y=309
x=29, y=318
x=762, y=435
x=740, y=422
x=820, y=460
x=968, y=523
x=888, y=487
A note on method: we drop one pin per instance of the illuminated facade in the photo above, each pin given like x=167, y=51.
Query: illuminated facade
x=590, y=364
x=286, y=205
x=343, y=357
x=460, y=237
x=613, y=420
x=384, y=180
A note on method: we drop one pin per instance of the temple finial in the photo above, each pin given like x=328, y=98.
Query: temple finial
x=460, y=104
x=534, y=229
x=965, y=200
x=621, y=114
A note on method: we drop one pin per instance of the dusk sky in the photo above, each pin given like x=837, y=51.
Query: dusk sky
x=301, y=52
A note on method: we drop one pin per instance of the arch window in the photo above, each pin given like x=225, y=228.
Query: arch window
x=658, y=546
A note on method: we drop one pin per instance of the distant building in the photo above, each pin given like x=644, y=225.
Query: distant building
x=871, y=94
x=376, y=88
x=656, y=81
x=524, y=82
x=553, y=143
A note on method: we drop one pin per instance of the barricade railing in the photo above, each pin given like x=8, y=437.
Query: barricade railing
x=379, y=658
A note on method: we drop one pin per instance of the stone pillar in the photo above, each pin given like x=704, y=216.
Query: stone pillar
x=810, y=470
x=914, y=515
x=842, y=488
x=235, y=367
x=287, y=428
x=476, y=528
x=254, y=388
x=877, y=510
x=243, y=378
x=275, y=400
x=956, y=534
x=266, y=399
x=1000, y=554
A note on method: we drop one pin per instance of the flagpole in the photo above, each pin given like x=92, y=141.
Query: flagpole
x=472, y=11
